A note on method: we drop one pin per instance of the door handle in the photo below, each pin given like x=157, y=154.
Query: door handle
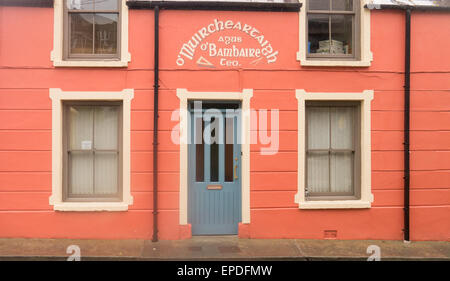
x=235, y=169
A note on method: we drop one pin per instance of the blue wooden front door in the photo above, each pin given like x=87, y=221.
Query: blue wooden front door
x=214, y=194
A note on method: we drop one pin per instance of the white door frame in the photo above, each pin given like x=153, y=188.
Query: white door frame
x=184, y=95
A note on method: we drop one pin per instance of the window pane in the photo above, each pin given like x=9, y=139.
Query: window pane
x=342, y=127
x=106, y=33
x=318, y=172
x=214, y=154
x=319, y=4
x=199, y=150
x=229, y=140
x=80, y=134
x=318, y=127
x=341, y=172
x=318, y=34
x=106, y=5
x=81, y=173
x=81, y=33
x=341, y=34
x=80, y=4
x=106, y=127
x=342, y=5
x=106, y=173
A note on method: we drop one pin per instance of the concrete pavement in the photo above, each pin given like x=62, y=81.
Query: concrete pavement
x=221, y=248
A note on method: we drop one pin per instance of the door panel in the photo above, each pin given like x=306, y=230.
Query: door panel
x=214, y=195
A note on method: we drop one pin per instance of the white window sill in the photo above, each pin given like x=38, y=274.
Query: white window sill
x=365, y=61
x=96, y=63
x=91, y=206
x=342, y=204
x=335, y=63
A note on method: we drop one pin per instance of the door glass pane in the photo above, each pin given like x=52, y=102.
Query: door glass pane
x=81, y=173
x=318, y=172
x=319, y=5
x=214, y=153
x=318, y=34
x=80, y=134
x=106, y=127
x=318, y=127
x=341, y=34
x=342, y=127
x=342, y=5
x=200, y=149
x=106, y=33
x=106, y=167
x=80, y=4
x=229, y=140
x=106, y=5
x=81, y=33
x=341, y=173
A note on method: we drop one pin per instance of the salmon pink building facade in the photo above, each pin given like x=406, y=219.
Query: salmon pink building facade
x=274, y=119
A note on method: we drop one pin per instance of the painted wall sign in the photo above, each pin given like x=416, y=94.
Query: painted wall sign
x=219, y=45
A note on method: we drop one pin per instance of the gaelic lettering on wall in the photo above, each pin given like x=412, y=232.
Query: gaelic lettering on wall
x=227, y=43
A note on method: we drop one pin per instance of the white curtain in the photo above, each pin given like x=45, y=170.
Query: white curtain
x=341, y=127
x=341, y=176
x=106, y=127
x=94, y=127
x=330, y=128
x=318, y=138
x=81, y=173
x=318, y=180
x=81, y=162
x=81, y=122
x=319, y=128
x=106, y=137
x=105, y=173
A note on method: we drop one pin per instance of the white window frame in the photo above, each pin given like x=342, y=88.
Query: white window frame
x=366, y=199
x=366, y=55
x=56, y=54
x=56, y=199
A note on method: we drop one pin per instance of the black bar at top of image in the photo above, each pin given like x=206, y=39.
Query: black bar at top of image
x=27, y=3
x=216, y=6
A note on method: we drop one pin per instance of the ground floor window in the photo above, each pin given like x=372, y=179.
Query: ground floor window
x=91, y=150
x=334, y=166
x=92, y=133
x=332, y=150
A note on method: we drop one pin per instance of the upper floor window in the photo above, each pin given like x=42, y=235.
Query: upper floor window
x=332, y=29
x=334, y=33
x=91, y=28
x=90, y=33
